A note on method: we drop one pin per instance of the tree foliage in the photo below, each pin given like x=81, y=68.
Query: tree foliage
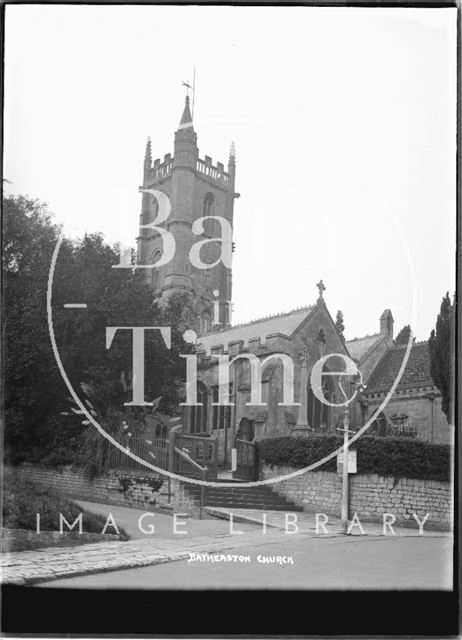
x=339, y=325
x=403, y=335
x=35, y=393
x=442, y=353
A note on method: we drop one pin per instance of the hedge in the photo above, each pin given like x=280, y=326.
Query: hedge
x=23, y=499
x=399, y=457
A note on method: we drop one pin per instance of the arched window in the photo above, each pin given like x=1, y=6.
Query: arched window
x=186, y=315
x=206, y=278
x=198, y=413
x=151, y=213
x=155, y=257
x=208, y=204
x=319, y=413
x=380, y=426
x=205, y=322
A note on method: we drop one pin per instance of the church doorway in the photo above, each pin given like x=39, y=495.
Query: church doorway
x=246, y=430
x=246, y=454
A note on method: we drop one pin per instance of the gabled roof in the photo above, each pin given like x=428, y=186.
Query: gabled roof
x=416, y=373
x=359, y=347
x=285, y=323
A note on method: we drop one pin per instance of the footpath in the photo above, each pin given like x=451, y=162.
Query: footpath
x=163, y=545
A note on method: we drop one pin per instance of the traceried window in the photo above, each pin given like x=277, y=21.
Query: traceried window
x=319, y=414
x=198, y=415
x=221, y=414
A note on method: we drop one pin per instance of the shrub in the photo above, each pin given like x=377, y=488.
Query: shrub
x=400, y=457
x=22, y=500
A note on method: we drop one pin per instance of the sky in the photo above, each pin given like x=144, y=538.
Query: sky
x=344, y=121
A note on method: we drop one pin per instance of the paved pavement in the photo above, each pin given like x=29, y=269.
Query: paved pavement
x=23, y=567
x=330, y=563
x=209, y=536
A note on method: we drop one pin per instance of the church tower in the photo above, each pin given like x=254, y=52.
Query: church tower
x=196, y=188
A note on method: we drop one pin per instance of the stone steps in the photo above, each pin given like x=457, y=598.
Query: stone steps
x=259, y=497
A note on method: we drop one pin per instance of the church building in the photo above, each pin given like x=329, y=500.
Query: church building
x=197, y=187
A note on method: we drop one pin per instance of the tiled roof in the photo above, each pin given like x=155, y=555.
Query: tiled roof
x=284, y=323
x=416, y=374
x=358, y=347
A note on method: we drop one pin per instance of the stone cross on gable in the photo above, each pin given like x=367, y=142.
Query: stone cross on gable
x=321, y=287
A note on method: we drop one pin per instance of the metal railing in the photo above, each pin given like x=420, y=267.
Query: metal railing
x=117, y=459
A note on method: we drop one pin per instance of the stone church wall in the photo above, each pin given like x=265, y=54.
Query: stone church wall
x=419, y=409
x=370, y=496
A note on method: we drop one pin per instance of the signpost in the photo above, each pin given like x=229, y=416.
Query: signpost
x=352, y=466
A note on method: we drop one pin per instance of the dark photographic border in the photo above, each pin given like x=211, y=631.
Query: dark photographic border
x=35, y=612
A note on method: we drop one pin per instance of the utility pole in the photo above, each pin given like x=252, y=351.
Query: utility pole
x=345, y=479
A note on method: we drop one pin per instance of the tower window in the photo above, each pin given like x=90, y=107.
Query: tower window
x=155, y=257
x=151, y=213
x=209, y=201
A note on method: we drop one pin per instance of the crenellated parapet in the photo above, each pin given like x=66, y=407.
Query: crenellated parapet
x=159, y=170
x=216, y=173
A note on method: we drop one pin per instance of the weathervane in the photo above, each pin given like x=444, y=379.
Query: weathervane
x=193, y=89
x=188, y=87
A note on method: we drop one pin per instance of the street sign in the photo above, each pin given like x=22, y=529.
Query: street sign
x=351, y=461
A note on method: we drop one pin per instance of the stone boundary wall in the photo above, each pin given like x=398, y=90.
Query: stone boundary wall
x=22, y=539
x=130, y=488
x=370, y=496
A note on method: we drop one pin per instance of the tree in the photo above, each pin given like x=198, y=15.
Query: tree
x=403, y=335
x=32, y=387
x=442, y=356
x=35, y=393
x=339, y=325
